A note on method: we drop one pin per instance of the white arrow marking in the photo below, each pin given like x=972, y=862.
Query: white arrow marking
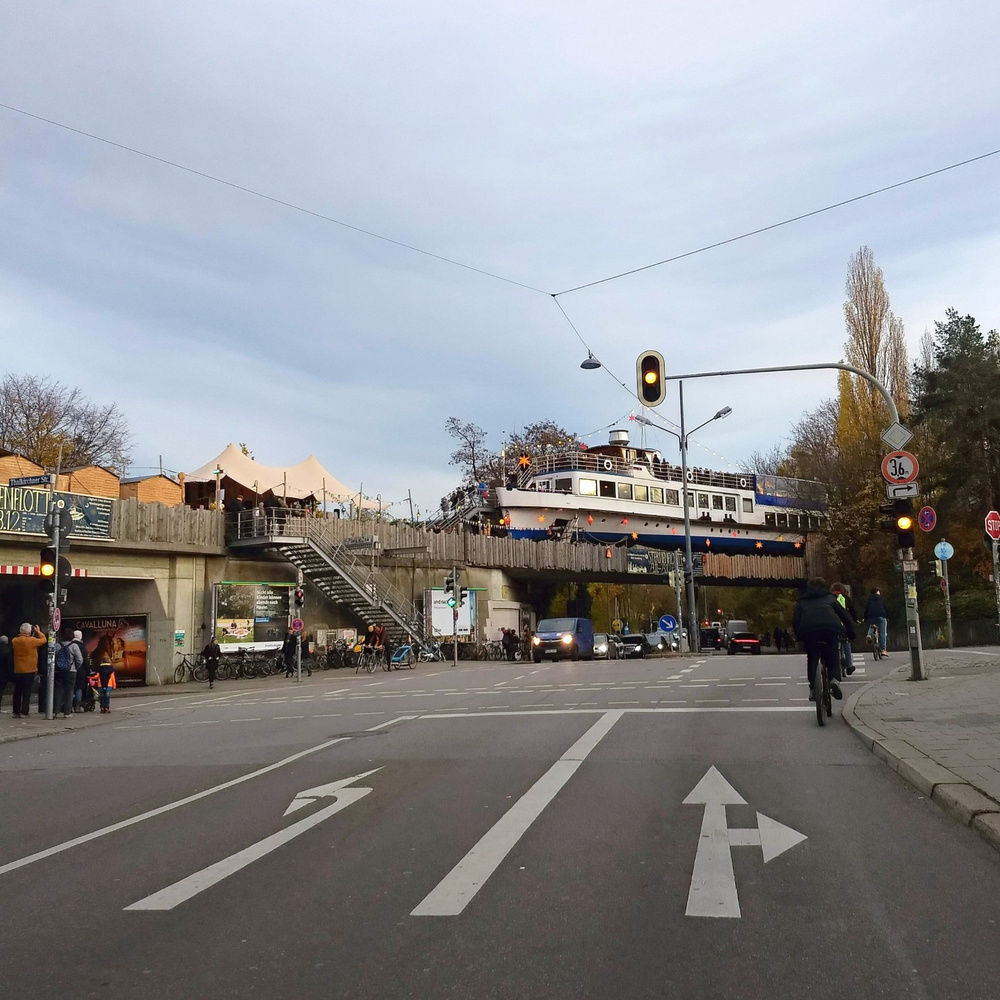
x=174, y=895
x=713, y=882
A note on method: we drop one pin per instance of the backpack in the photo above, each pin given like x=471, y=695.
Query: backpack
x=64, y=658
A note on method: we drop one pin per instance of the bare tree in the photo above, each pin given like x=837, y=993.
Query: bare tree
x=471, y=455
x=39, y=415
x=770, y=462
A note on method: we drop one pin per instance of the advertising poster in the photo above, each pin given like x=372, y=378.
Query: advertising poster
x=122, y=637
x=23, y=509
x=441, y=618
x=251, y=614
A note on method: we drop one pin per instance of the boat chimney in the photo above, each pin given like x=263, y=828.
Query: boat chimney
x=619, y=438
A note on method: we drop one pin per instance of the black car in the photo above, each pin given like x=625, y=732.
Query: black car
x=635, y=646
x=744, y=642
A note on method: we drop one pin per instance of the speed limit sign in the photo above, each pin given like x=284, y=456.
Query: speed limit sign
x=900, y=467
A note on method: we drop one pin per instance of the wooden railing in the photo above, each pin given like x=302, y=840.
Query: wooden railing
x=134, y=523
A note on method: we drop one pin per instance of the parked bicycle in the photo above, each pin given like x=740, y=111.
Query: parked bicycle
x=192, y=667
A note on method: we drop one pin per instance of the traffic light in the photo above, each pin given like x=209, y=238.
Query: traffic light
x=899, y=521
x=449, y=588
x=299, y=597
x=463, y=596
x=47, y=562
x=649, y=371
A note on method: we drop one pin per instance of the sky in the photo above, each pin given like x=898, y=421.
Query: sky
x=553, y=144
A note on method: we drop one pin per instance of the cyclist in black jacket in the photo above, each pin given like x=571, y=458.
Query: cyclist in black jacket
x=821, y=623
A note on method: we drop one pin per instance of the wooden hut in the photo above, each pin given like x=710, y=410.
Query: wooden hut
x=91, y=481
x=157, y=488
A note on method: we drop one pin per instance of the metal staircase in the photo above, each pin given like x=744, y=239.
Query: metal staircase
x=338, y=571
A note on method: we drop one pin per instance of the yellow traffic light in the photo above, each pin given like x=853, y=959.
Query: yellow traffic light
x=904, y=523
x=650, y=370
x=650, y=378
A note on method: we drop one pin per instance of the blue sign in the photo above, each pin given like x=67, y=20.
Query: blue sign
x=944, y=550
x=43, y=480
x=668, y=623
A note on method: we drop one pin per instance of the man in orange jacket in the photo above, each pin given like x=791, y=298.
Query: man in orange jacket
x=25, y=648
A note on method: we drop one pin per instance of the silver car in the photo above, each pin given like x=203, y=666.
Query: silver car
x=605, y=647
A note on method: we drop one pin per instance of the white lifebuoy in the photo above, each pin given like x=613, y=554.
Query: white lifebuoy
x=690, y=476
x=608, y=465
x=743, y=482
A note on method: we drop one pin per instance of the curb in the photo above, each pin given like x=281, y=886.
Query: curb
x=52, y=728
x=961, y=800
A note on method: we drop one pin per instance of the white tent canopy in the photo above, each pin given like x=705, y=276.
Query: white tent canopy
x=308, y=478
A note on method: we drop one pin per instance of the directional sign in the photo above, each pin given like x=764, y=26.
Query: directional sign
x=45, y=480
x=713, y=883
x=944, y=550
x=927, y=518
x=298, y=624
x=896, y=435
x=894, y=492
x=900, y=467
x=668, y=623
x=993, y=525
x=174, y=895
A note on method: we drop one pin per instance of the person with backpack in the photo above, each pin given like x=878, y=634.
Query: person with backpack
x=69, y=662
x=82, y=684
x=212, y=653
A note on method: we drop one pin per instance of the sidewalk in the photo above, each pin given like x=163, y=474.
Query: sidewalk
x=943, y=734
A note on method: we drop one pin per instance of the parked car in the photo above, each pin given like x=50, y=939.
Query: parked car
x=659, y=642
x=563, y=639
x=636, y=645
x=605, y=646
x=744, y=642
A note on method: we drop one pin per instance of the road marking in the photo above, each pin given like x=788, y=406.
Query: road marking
x=457, y=889
x=207, y=722
x=257, y=719
x=283, y=718
x=770, y=684
x=692, y=685
x=782, y=678
x=332, y=715
x=713, y=882
x=170, y=806
x=179, y=892
x=639, y=711
x=707, y=701
x=740, y=685
x=391, y=722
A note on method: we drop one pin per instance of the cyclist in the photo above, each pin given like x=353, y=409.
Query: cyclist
x=839, y=590
x=821, y=623
x=876, y=613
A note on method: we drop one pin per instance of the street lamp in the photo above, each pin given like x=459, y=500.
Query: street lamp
x=683, y=436
x=590, y=362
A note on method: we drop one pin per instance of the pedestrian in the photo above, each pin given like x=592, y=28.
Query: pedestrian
x=212, y=652
x=106, y=677
x=876, y=613
x=42, y=669
x=24, y=649
x=509, y=643
x=6, y=667
x=81, y=684
x=526, y=643
x=820, y=622
x=68, y=662
x=778, y=636
x=288, y=651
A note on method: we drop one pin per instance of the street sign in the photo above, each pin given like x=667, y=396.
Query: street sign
x=297, y=625
x=45, y=480
x=56, y=619
x=903, y=492
x=927, y=518
x=944, y=550
x=899, y=468
x=668, y=623
x=944, y=583
x=896, y=435
x=713, y=883
x=186, y=888
x=910, y=565
x=616, y=625
x=993, y=525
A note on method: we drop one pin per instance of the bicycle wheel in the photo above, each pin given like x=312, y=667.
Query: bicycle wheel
x=201, y=672
x=180, y=671
x=818, y=693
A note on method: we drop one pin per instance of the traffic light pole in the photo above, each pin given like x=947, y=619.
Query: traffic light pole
x=50, y=673
x=298, y=638
x=913, y=639
x=947, y=600
x=996, y=576
x=694, y=635
x=682, y=644
x=454, y=616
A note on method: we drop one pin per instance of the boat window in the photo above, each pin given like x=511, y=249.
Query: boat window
x=624, y=491
x=641, y=492
x=769, y=520
x=690, y=500
x=747, y=505
x=672, y=497
x=716, y=502
x=545, y=485
x=730, y=503
x=793, y=520
x=564, y=485
x=656, y=494
x=588, y=487
x=702, y=500
x=782, y=520
x=607, y=488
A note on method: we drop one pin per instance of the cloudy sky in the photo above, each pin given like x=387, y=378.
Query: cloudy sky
x=552, y=143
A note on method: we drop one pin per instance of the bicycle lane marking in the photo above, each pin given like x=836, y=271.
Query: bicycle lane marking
x=457, y=889
x=178, y=803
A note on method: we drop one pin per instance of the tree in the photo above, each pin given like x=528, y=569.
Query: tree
x=471, y=454
x=39, y=415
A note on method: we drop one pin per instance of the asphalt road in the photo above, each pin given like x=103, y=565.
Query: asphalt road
x=524, y=834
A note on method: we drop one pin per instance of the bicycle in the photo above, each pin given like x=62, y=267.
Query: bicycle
x=195, y=668
x=368, y=660
x=822, y=691
x=873, y=639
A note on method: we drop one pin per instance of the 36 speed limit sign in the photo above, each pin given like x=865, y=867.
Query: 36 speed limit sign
x=900, y=467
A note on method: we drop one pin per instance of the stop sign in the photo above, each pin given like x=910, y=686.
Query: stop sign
x=993, y=525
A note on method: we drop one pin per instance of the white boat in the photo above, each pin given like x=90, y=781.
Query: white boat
x=618, y=493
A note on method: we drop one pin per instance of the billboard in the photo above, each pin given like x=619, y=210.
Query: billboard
x=251, y=614
x=441, y=617
x=123, y=637
x=23, y=510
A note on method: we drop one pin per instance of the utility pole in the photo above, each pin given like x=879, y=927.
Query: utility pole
x=996, y=576
x=912, y=615
x=54, y=613
x=454, y=618
x=409, y=496
x=683, y=644
x=947, y=597
x=694, y=636
x=298, y=637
